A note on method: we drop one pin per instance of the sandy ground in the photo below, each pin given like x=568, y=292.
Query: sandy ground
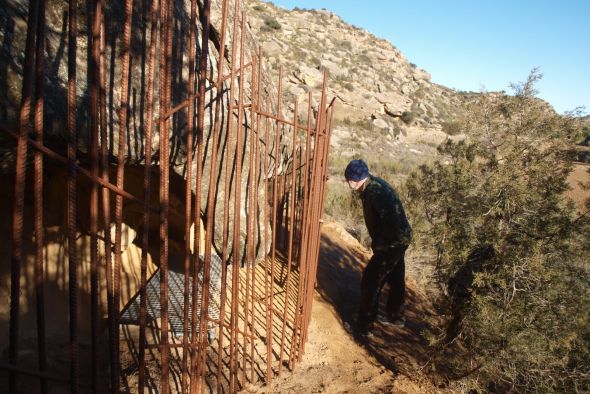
x=394, y=360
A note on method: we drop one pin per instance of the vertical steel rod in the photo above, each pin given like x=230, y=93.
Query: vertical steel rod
x=94, y=125
x=203, y=315
x=123, y=109
x=72, y=147
x=237, y=212
x=153, y=23
x=19, y=193
x=188, y=198
x=250, y=233
x=38, y=195
x=275, y=200
x=227, y=205
x=255, y=193
x=165, y=82
x=290, y=223
x=268, y=284
x=304, y=263
x=212, y=191
x=106, y=206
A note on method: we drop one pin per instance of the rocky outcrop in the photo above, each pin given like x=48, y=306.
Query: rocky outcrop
x=369, y=75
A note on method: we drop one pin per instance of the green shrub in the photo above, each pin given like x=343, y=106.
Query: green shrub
x=452, y=127
x=510, y=251
x=345, y=45
x=407, y=117
x=271, y=23
x=258, y=8
x=364, y=59
x=348, y=86
x=364, y=124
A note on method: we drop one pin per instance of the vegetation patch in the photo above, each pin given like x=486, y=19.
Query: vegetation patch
x=510, y=250
x=408, y=117
x=270, y=24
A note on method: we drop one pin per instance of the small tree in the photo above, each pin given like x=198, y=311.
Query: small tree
x=408, y=117
x=510, y=251
x=271, y=24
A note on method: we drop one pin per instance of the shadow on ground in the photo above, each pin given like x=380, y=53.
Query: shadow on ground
x=401, y=350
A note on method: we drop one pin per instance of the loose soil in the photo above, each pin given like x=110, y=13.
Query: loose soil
x=394, y=360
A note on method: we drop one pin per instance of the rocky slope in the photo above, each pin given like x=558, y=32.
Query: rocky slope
x=385, y=104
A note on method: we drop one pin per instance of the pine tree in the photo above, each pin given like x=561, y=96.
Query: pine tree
x=510, y=250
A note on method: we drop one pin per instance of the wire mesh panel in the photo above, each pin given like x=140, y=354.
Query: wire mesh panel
x=162, y=220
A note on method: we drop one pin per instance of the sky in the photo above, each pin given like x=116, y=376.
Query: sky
x=475, y=45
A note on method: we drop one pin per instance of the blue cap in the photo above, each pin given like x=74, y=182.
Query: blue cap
x=356, y=170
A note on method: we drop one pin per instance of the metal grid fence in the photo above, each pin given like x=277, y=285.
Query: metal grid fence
x=253, y=178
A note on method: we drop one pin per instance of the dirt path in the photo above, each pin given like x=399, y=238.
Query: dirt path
x=394, y=358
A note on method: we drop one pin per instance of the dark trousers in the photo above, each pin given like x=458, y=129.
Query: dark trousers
x=384, y=267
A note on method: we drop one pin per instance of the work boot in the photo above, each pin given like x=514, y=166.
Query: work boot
x=397, y=320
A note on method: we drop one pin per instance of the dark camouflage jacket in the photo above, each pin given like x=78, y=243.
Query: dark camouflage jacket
x=384, y=215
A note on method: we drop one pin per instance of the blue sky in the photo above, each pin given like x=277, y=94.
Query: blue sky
x=474, y=44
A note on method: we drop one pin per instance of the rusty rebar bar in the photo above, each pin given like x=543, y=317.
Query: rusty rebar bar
x=94, y=125
x=19, y=193
x=302, y=261
x=165, y=90
x=249, y=138
x=71, y=202
x=212, y=190
x=275, y=202
x=188, y=199
x=250, y=232
x=255, y=209
x=153, y=22
x=227, y=205
x=290, y=223
x=237, y=212
x=38, y=195
x=297, y=202
x=204, y=310
x=321, y=166
x=314, y=214
x=267, y=281
x=123, y=110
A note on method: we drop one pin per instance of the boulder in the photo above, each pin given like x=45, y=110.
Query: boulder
x=272, y=48
x=309, y=76
x=393, y=103
x=334, y=70
x=380, y=124
x=421, y=75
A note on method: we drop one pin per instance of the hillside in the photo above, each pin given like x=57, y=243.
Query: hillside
x=384, y=103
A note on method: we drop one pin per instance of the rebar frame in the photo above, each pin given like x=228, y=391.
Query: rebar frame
x=271, y=204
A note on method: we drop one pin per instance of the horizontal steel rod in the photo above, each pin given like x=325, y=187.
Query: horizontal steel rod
x=56, y=156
